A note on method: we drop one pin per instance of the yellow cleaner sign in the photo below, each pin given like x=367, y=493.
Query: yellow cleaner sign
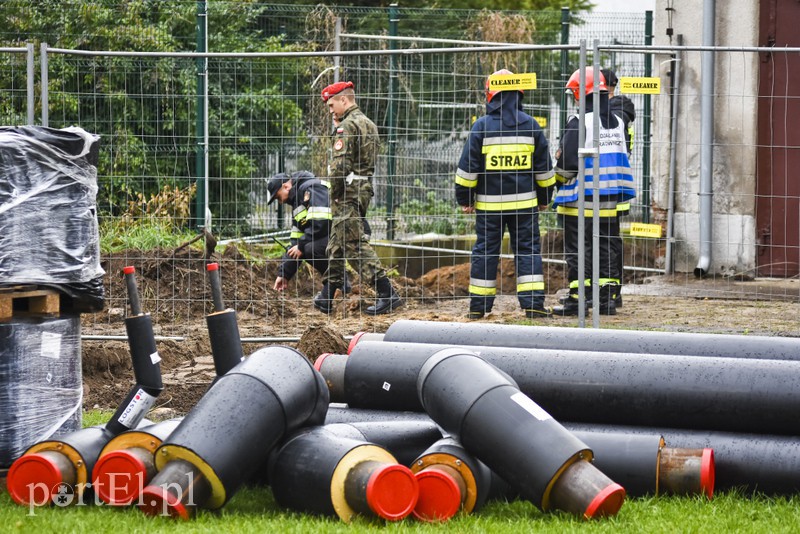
x=643, y=86
x=512, y=82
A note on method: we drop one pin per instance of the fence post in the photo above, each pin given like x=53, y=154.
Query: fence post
x=29, y=83
x=201, y=150
x=648, y=71
x=564, y=66
x=394, y=16
x=44, y=85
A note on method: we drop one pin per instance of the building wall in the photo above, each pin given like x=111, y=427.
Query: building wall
x=735, y=130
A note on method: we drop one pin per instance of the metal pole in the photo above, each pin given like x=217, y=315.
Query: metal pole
x=337, y=47
x=45, y=83
x=564, y=66
x=394, y=16
x=582, y=189
x=201, y=63
x=648, y=71
x=29, y=83
x=673, y=156
x=596, y=186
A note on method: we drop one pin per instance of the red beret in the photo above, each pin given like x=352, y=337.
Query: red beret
x=334, y=89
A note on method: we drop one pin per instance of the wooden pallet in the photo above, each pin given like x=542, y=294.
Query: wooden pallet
x=30, y=299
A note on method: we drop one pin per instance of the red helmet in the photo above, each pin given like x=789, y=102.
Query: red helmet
x=574, y=83
x=490, y=94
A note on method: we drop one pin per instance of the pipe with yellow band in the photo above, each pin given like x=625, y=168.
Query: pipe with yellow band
x=229, y=433
x=484, y=410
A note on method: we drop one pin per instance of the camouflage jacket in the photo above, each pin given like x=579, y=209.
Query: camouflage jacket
x=355, y=149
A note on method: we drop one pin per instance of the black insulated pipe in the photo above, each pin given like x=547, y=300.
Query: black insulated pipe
x=594, y=339
x=146, y=364
x=223, y=328
x=451, y=479
x=484, y=410
x=702, y=393
x=126, y=463
x=230, y=432
x=405, y=440
x=762, y=463
x=320, y=472
x=647, y=465
x=643, y=464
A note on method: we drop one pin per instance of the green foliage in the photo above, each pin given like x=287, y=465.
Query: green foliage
x=432, y=214
x=146, y=234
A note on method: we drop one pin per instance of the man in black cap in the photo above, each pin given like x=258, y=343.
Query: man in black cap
x=311, y=222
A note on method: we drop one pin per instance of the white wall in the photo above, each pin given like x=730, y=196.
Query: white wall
x=735, y=133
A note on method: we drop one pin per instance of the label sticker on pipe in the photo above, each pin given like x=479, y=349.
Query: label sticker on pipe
x=531, y=407
x=155, y=358
x=136, y=409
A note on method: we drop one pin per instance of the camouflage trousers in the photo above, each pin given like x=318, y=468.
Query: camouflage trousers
x=347, y=243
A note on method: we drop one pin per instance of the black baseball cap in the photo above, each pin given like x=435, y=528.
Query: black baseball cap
x=275, y=183
x=611, y=77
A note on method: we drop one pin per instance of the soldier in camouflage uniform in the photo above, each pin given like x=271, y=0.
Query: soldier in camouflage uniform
x=355, y=149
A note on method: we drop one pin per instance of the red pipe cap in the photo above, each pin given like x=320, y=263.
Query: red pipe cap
x=156, y=500
x=439, y=496
x=354, y=341
x=119, y=476
x=212, y=267
x=606, y=503
x=320, y=359
x=130, y=269
x=392, y=492
x=707, y=472
x=33, y=480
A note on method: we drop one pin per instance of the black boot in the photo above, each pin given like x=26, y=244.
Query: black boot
x=570, y=306
x=388, y=299
x=608, y=294
x=323, y=301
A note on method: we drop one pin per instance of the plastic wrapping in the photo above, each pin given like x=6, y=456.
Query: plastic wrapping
x=48, y=218
x=41, y=391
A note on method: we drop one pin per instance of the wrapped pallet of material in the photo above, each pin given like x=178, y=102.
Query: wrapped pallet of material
x=48, y=218
x=40, y=381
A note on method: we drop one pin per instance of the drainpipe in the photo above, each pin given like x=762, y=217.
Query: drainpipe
x=706, y=141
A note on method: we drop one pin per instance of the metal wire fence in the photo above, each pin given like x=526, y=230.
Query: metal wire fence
x=264, y=115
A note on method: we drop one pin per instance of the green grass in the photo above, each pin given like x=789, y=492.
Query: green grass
x=253, y=509
x=115, y=236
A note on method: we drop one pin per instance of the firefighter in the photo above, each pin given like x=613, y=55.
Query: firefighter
x=615, y=186
x=311, y=222
x=504, y=173
x=355, y=149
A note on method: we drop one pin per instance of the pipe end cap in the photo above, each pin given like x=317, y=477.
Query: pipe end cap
x=707, y=472
x=118, y=477
x=33, y=480
x=130, y=269
x=606, y=503
x=392, y=492
x=439, y=496
x=157, y=501
x=354, y=341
